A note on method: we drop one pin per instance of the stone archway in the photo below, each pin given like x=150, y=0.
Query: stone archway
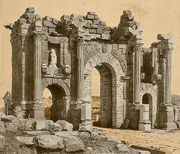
x=60, y=99
x=113, y=113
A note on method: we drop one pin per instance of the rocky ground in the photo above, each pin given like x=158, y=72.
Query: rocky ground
x=30, y=136
x=165, y=141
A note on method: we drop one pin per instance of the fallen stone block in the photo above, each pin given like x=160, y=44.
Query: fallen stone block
x=74, y=145
x=49, y=142
x=49, y=24
x=25, y=140
x=36, y=133
x=55, y=126
x=72, y=142
x=47, y=18
x=26, y=124
x=66, y=126
x=42, y=125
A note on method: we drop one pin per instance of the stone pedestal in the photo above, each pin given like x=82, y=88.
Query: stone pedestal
x=86, y=116
x=38, y=110
x=169, y=123
x=144, y=122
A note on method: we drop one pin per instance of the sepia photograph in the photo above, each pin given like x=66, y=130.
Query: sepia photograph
x=89, y=77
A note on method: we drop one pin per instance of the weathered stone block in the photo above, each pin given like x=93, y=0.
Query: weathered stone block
x=42, y=125
x=25, y=140
x=105, y=36
x=48, y=18
x=66, y=126
x=49, y=142
x=49, y=24
x=74, y=145
x=89, y=16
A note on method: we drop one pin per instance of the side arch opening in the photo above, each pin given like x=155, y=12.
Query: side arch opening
x=57, y=104
x=147, y=99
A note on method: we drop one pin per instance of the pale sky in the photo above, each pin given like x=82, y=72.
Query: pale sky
x=155, y=16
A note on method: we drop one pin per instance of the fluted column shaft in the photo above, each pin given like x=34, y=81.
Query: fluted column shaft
x=80, y=69
x=137, y=74
x=37, y=68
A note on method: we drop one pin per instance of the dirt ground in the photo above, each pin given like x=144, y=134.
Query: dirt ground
x=168, y=142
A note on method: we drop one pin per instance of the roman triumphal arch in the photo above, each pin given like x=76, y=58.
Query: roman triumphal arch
x=61, y=54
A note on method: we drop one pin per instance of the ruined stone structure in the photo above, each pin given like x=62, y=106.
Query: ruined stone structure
x=60, y=55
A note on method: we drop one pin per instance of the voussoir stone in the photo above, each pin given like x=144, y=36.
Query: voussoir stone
x=66, y=126
x=49, y=142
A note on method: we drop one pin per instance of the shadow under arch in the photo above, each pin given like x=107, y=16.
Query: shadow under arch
x=60, y=101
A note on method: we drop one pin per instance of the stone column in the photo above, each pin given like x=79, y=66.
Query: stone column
x=168, y=96
x=38, y=104
x=23, y=69
x=80, y=69
x=169, y=122
x=61, y=53
x=166, y=44
x=137, y=73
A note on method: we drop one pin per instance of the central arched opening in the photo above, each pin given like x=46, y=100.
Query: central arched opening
x=101, y=93
x=54, y=99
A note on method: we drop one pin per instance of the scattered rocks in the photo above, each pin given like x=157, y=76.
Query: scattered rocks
x=66, y=126
x=49, y=142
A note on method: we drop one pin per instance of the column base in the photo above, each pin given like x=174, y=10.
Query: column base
x=75, y=114
x=170, y=125
x=144, y=127
x=86, y=126
x=178, y=124
x=38, y=109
